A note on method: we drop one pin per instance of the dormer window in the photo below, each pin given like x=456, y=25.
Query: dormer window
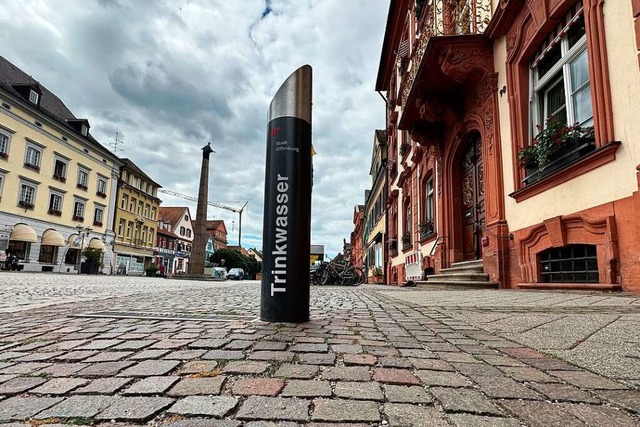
x=33, y=97
x=84, y=130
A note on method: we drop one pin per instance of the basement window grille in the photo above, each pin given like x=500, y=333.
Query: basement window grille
x=569, y=264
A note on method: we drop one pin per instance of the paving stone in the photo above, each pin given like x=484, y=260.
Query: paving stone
x=359, y=390
x=215, y=406
x=78, y=407
x=443, y=378
x=629, y=399
x=601, y=416
x=550, y=364
x=257, y=386
x=382, y=351
x=524, y=353
x=108, y=356
x=246, y=367
x=502, y=387
x=148, y=368
x=202, y=422
x=197, y=386
x=185, y=354
x=151, y=385
x=149, y=354
x=395, y=376
x=76, y=356
x=340, y=410
x=211, y=343
x=283, y=356
x=274, y=408
x=431, y=364
x=498, y=360
x=223, y=355
x=587, y=380
x=60, y=369
x=104, y=369
x=135, y=408
x=351, y=373
x=307, y=388
x=542, y=414
x=417, y=353
x=24, y=368
x=198, y=366
x=271, y=424
x=133, y=344
x=59, y=386
x=468, y=420
x=528, y=374
x=464, y=400
x=403, y=394
x=403, y=415
x=20, y=385
x=457, y=357
x=288, y=370
x=359, y=359
x=473, y=370
x=270, y=345
x=39, y=357
x=347, y=348
x=395, y=362
x=5, y=378
x=99, y=344
x=238, y=345
x=168, y=344
x=317, y=358
x=563, y=393
x=22, y=408
x=104, y=386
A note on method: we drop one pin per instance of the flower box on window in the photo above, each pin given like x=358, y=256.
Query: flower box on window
x=82, y=187
x=4, y=156
x=60, y=178
x=55, y=212
x=32, y=166
x=26, y=205
x=555, y=147
x=426, y=229
x=97, y=223
x=78, y=218
x=101, y=194
x=406, y=241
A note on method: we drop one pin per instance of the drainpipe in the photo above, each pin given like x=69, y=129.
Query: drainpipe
x=385, y=244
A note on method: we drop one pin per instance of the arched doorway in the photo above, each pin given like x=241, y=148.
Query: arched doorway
x=472, y=197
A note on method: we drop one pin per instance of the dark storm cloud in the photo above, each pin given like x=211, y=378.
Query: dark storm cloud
x=169, y=76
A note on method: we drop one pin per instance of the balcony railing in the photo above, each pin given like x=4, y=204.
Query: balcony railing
x=444, y=18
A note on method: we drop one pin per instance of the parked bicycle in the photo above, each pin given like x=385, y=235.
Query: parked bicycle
x=338, y=271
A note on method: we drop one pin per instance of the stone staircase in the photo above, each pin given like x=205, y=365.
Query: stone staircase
x=467, y=274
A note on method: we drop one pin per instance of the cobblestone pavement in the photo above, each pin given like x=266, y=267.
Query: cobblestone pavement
x=197, y=356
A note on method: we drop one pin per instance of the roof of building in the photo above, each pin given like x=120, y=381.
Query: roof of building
x=171, y=214
x=49, y=104
x=215, y=224
x=128, y=164
x=381, y=136
x=166, y=232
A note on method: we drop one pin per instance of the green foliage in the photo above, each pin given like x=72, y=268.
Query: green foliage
x=234, y=259
x=151, y=270
x=93, y=256
x=551, y=140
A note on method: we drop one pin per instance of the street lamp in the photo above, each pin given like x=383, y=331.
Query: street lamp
x=82, y=232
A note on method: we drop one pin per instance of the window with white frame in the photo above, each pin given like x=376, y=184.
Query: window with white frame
x=27, y=196
x=55, y=202
x=151, y=234
x=98, y=215
x=84, y=130
x=33, y=96
x=124, y=201
x=132, y=205
x=78, y=210
x=83, y=178
x=560, y=81
x=60, y=169
x=121, y=226
x=2, y=179
x=146, y=210
x=4, y=144
x=32, y=156
x=153, y=213
x=129, y=226
x=428, y=201
x=102, y=186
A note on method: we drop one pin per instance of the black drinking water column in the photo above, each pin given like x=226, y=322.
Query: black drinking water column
x=287, y=203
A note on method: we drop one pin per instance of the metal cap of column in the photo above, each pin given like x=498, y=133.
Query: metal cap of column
x=293, y=99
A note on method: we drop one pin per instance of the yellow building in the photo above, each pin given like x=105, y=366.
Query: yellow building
x=136, y=220
x=375, y=230
x=56, y=180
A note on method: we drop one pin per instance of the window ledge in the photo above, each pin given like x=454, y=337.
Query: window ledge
x=600, y=156
x=427, y=237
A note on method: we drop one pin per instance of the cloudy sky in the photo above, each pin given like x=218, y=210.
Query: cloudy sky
x=170, y=75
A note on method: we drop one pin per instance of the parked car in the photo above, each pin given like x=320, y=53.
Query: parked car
x=235, y=274
x=219, y=273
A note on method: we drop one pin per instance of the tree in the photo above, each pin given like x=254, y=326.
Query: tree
x=234, y=259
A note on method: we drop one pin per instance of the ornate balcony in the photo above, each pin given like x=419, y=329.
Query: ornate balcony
x=443, y=28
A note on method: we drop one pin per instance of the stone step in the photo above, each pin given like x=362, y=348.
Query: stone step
x=463, y=264
x=462, y=270
x=457, y=284
x=460, y=276
x=572, y=286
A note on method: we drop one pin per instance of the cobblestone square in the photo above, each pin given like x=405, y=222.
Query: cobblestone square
x=369, y=356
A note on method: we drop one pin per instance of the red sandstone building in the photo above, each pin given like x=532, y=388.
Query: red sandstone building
x=357, y=251
x=513, y=142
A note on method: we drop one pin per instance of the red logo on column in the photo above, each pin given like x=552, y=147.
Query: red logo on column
x=274, y=132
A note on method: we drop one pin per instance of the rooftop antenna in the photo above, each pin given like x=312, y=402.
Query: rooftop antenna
x=115, y=143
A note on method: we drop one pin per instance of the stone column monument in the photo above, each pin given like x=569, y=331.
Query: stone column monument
x=196, y=263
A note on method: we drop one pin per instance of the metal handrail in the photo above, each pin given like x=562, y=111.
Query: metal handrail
x=483, y=228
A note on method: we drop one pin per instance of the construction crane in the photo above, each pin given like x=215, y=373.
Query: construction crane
x=215, y=205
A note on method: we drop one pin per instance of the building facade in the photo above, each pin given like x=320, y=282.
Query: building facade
x=374, y=233
x=512, y=116
x=179, y=222
x=135, y=220
x=166, y=250
x=357, y=239
x=57, y=182
x=217, y=230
